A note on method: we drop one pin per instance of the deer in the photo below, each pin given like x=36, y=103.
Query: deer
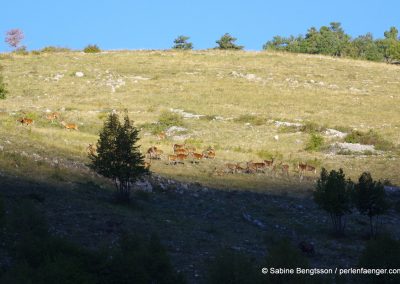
x=53, y=116
x=181, y=151
x=69, y=125
x=91, y=149
x=209, y=154
x=240, y=169
x=26, y=121
x=181, y=157
x=231, y=168
x=179, y=146
x=161, y=136
x=301, y=167
x=256, y=166
x=269, y=164
x=284, y=168
x=311, y=169
x=197, y=156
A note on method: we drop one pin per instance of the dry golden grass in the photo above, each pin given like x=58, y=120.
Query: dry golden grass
x=272, y=86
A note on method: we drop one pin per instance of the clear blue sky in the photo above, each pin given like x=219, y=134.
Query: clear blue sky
x=153, y=24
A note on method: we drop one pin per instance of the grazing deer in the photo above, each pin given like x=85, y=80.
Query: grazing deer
x=172, y=159
x=53, y=116
x=91, y=149
x=26, y=121
x=69, y=125
x=197, y=156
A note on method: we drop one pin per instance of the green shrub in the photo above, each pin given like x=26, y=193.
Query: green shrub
x=315, y=142
x=369, y=138
x=55, y=49
x=248, y=118
x=91, y=48
x=383, y=252
x=36, y=52
x=168, y=119
x=268, y=155
x=231, y=267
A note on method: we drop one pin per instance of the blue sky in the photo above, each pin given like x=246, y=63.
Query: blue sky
x=153, y=24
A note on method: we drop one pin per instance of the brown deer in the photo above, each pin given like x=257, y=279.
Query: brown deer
x=181, y=151
x=53, y=116
x=161, y=136
x=283, y=167
x=209, y=154
x=181, y=157
x=197, y=156
x=269, y=164
x=231, y=168
x=26, y=121
x=179, y=146
x=69, y=125
x=311, y=169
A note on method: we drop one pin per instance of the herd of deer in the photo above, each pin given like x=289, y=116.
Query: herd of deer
x=52, y=117
x=183, y=152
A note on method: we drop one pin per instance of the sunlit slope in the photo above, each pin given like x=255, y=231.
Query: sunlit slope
x=336, y=93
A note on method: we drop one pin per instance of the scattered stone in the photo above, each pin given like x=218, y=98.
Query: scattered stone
x=335, y=133
x=79, y=74
x=174, y=129
x=187, y=115
x=285, y=123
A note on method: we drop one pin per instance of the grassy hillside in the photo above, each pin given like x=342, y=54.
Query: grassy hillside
x=242, y=94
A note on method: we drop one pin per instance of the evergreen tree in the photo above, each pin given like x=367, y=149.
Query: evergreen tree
x=333, y=194
x=228, y=42
x=370, y=199
x=181, y=42
x=118, y=157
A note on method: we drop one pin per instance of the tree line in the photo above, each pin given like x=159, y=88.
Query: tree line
x=332, y=40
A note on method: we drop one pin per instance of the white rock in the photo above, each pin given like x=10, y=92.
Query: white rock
x=276, y=137
x=79, y=74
